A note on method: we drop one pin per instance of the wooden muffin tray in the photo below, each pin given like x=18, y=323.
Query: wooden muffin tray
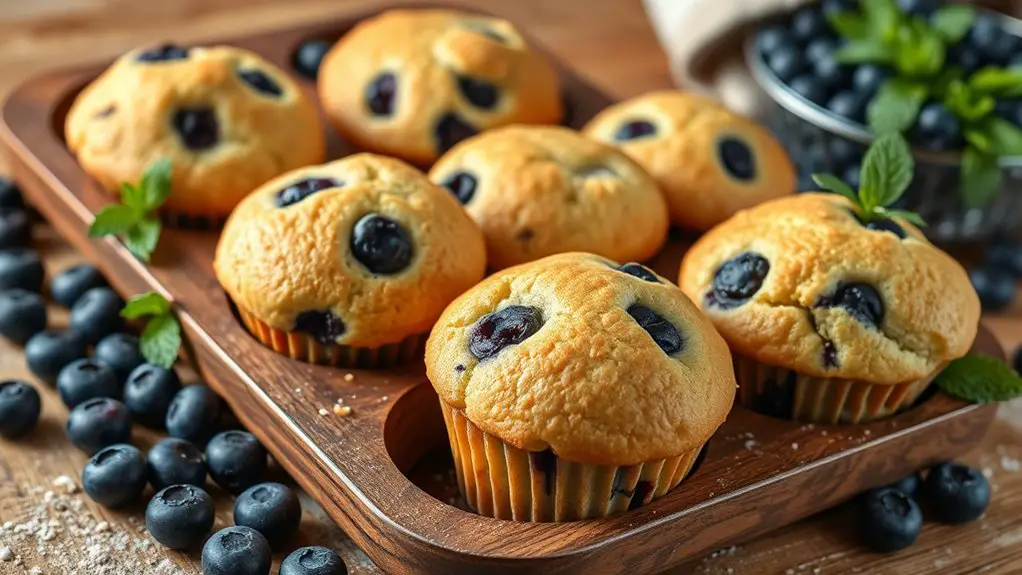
x=757, y=473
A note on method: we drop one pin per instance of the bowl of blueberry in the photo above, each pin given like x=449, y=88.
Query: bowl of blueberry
x=949, y=77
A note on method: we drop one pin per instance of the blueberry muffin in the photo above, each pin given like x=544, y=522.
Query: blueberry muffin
x=830, y=320
x=542, y=190
x=709, y=161
x=573, y=388
x=228, y=120
x=348, y=263
x=412, y=83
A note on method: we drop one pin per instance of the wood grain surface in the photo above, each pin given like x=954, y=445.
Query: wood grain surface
x=84, y=30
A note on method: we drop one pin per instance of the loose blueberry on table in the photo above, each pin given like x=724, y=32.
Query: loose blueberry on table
x=909, y=485
x=236, y=550
x=1005, y=256
x=309, y=56
x=47, y=352
x=194, y=414
x=97, y=423
x=15, y=228
x=10, y=195
x=272, y=509
x=956, y=493
x=70, y=284
x=236, y=460
x=22, y=315
x=148, y=393
x=115, y=476
x=21, y=268
x=179, y=516
x=175, y=461
x=121, y=352
x=19, y=408
x=889, y=520
x=86, y=379
x=313, y=561
x=97, y=314
x=995, y=287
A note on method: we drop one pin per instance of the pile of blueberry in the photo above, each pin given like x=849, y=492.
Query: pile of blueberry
x=890, y=518
x=996, y=278
x=113, y=388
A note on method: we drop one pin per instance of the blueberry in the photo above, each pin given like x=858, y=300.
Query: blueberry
x=313, y=561
x=381, y=244
x=889, y=520
x=848, y=105
x=15, y=228
x=956, y=493
x=886, y=225
x=937, y=128
x=121, y=352
x=10, y=195
x=148, y=393
x=85, y=379
x=21, y=268
x=640, y=271
x=830, y=72
x=236, y=460
x=271, y=509
x=991, y=39
x=820, y=48
x=633, y=130
x=995, y=287
x=462, y=185
x=380, y=94
x=909, y=485
x=509, y=326
x=70, y=284
x=860, y=300
x=479, y=93
x=298, y=191
x=450, y=130
x=868, y=78
x=810, y=88
x=309, y=56
x=115, y=476
x=965, y=57
x=1007, y=257
x=193, y=414
x=737, y=280
x=737, y=158
x=163, y=53
x=771, y=39
x=923, y=8
x=22, y=315
x=98, y=423
x=831, y=7
x=852, y=175
x=97, y=314
x=175, y=461
x=323, y=325
x=843, y=152
x=47, y=352
x=179, y=516
x=662, y=331
x=808, y=23
x=261, y=82
x=786, y=63
x=19, y=408
x=198, y=128
x=236, y=550
x=1018, y=360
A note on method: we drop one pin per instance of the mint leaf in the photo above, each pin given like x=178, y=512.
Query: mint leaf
x=882, y=16
x=906, y=215
x=979, y=140
x=112, y=220
x=1005, y=137
x=834, y=184
x=863, y=51
x=918, y=52
x=141, y=238
x=161, y=340
x=896, y=106
x=133, y=197
x=155, y=184
x=887, y=172
x=967, y=104
x=952, y=23
x=980, y=379
x=150, y=303
x=997, y=81
x=981, y=177
x=849, y=25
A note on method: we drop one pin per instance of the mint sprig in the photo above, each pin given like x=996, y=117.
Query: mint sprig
x=886, y=173
x=980, y=379
x=131, y=219
x=161, y=338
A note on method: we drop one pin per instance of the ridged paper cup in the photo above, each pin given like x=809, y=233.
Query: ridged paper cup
x=785, y=393
x=502, y=481
x=303, y=347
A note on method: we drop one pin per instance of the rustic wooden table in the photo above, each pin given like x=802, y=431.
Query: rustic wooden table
x=48, y=527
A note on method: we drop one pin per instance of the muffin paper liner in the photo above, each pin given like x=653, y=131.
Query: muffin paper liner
x=784, y=393
x=502, y=481
x=303, y=347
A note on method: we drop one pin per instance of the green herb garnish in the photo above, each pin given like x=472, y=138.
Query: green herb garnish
x=161, y=338
x=886, y=173
x=916, y=49
x=131, y=219
x=980, y=379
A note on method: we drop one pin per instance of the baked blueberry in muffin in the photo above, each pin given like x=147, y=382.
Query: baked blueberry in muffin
x=413, y=83
x=226, y=118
